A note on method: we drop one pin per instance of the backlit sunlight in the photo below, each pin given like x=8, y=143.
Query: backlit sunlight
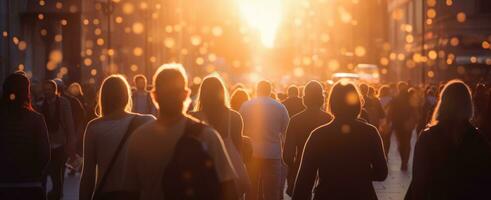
x=264, y=16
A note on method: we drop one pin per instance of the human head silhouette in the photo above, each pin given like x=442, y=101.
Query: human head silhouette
x=212, y=94
x=345, y=100
x=454, y=104
x=292, y=91
x=16, y=91
x=114, y=95
x=263, y=89
x=313, y=95
x=170, y=90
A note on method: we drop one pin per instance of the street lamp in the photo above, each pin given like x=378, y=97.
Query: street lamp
x=108, y=8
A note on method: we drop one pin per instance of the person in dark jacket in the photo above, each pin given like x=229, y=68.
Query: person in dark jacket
x=300, y=127
x=24, y=144
x=293, y=103
x=402, y=116
x=452, y=160
x=346, y=154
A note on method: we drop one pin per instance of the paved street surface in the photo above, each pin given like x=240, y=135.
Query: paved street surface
x=393, y=188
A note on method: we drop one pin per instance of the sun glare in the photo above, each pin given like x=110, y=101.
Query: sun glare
x=264, y=16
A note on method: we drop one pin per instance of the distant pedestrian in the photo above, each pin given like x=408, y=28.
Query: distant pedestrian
x=24, y=143
x=103, y=162
x=265, y=122
x=142, y=102
x=239, y=96
x=402, y=116
x=452, y=160
x=293, y=103
x=57, y=112
x=346, y=154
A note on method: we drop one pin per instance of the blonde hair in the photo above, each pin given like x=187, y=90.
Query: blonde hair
x=455, y=103
x=114, y=94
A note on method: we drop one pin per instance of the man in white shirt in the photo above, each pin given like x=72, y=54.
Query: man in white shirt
x=265, y=122
x=151, y=146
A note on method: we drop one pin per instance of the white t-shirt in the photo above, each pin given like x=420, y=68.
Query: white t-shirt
x=102, y=138
x=151, y=148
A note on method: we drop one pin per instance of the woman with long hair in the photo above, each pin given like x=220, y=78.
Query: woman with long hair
x=239, y=96
x=104, y=134
x=213, y=108
x=452, y=160
x=346, y=154
x=24, y=144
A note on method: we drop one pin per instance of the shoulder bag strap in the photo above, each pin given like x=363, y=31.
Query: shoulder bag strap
x=131, y=127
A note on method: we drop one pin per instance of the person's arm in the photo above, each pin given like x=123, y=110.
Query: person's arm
x=223, y=165
x=88, y=177
x=289, y=149
x=285, y=120
x=68, y=125
x=378, y=161
x=421, y=171
x=237, y=128
x=43, y=148
x=308, y=170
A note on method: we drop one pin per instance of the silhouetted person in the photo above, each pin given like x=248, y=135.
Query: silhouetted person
x=265, y=122
x=142, y=102
x=385, y=127
x=24, y=143
x=239, y=96
x=347, y=154
x=213, y=108
x=372, y=105
x=153, y=147
x=293, y=103
x=402, y=117
x=485, y=125
x=57, y=113
x=104, y=134
x=300, y=127
x=452, y=160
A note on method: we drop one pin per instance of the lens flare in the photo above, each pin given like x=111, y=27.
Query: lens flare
x=264, y=16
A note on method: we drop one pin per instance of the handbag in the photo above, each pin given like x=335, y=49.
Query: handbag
x=98, y=194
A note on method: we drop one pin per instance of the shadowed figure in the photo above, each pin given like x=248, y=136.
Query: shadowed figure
x=24, y=144
x=300, y=127
x=452, y=159
x=346, y=154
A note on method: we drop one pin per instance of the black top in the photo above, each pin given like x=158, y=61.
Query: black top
x=24, y=146
x=294, y=105
x=348, y=155
x=299, y=129
x=451, y=165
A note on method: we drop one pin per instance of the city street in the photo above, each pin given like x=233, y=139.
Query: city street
x=393, y=188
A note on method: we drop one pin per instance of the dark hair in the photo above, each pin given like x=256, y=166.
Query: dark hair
x=264, y=88
x=168, y=79
x=384, y=91
x=345, y=100
x=16, y=92
x=212, y=95
x=313, y=94
x=454, y=104
x=139, y=76
x=239, y=96
x=292, y=91
x=114, y=95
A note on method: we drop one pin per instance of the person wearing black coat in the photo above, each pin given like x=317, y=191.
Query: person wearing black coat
x=452, y=160
x=346, y=154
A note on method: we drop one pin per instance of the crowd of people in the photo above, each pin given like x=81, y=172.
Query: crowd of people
x=174, y=141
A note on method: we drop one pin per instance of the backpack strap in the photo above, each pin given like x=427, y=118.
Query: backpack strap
x=193, y=128
x=131, y=127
